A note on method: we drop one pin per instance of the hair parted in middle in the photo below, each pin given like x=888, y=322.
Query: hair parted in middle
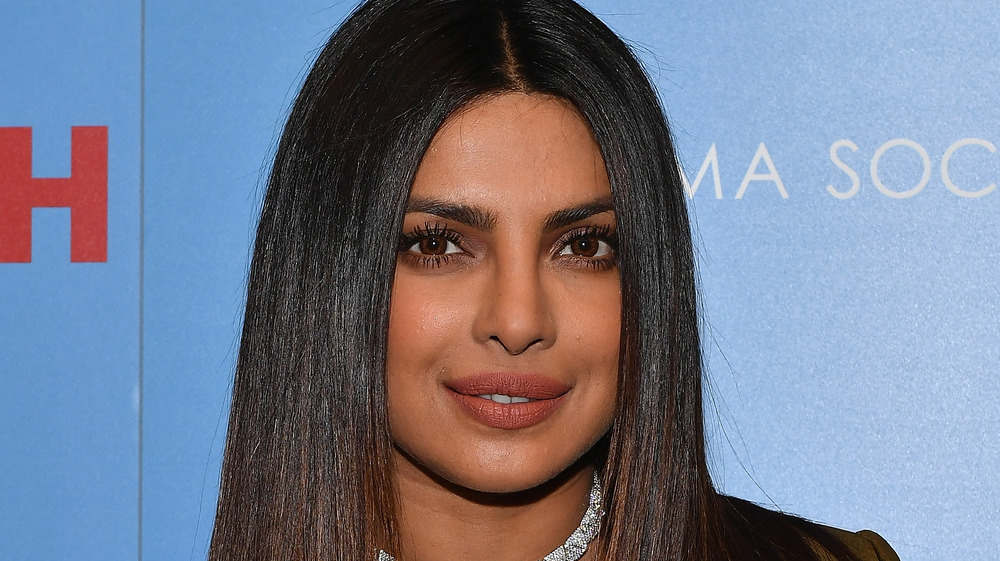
x=307, y=473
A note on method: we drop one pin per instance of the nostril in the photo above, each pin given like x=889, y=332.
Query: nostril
x=497, y=339
x=514, y=350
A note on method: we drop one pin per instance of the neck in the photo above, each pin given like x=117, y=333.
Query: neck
x=439, y=521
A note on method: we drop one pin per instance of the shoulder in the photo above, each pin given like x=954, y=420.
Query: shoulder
x=865, y=545
x=776, y=535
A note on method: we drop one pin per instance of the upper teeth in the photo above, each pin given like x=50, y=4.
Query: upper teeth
x=501, y=398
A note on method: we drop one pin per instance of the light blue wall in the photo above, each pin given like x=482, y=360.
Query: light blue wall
x=69, y=334
x=851, y=342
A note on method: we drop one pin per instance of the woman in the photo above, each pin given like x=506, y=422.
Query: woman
x=471, y=319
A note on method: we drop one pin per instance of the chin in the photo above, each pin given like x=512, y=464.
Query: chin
x=506, y=482
x=496, y=472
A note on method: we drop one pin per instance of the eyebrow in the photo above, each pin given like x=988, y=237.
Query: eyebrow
x=485, y=220
x=565, y=217
x=471, y=216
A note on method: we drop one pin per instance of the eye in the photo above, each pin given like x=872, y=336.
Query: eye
x=588, y=245
x=434, y=245
x=430, y=246
x=593, y=247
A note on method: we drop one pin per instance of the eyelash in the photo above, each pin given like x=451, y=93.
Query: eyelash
x=602, y=233
x=436, y=230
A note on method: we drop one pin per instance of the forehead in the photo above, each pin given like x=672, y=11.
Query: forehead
x=513, y=151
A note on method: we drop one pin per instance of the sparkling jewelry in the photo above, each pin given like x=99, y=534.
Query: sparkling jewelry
x=576, y=544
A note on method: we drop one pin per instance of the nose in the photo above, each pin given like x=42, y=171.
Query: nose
x=515, y=311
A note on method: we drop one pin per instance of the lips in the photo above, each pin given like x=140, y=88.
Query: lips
x=507, y=400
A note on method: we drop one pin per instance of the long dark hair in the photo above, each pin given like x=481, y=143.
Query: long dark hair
x=306, y=474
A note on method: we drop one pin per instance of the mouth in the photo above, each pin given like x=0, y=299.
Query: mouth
x=505, y=399
x=508, y=401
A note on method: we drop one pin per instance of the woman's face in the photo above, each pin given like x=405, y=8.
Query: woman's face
x=506, y=305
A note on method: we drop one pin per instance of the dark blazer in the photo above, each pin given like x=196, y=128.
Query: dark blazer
x=865, y=544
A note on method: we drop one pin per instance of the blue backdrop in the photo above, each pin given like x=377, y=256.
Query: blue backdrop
x=841, y=161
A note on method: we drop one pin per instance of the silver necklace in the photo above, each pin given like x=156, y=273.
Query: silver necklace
x=576, y=544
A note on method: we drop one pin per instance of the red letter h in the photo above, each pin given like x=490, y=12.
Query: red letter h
x=85, y=192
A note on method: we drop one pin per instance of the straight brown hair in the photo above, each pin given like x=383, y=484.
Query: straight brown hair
x=306, y=473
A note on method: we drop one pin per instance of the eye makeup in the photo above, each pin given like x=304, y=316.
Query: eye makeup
x=430, y=246
x=594, y=246
x=433, y=245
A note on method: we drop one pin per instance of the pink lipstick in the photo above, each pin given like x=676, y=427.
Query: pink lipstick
x=508, y=400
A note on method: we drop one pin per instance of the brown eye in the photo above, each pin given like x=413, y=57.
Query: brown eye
x=433, y=245
x=589, y=246
x=585, y=246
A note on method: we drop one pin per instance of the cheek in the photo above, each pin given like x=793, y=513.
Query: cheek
x=427, y=320
x=592, y=320
x=591, y=314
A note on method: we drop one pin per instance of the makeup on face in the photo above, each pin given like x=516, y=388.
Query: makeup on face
x=505, y=315
x=507, y=400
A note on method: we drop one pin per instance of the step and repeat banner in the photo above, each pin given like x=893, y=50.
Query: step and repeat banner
x=842, y=167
